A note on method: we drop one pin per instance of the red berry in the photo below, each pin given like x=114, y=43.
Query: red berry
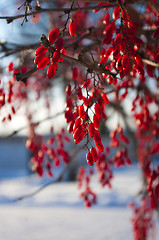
x=10, y=67
x=98, y=110
x=72, y=29
x=97, y=137
x=59, y=43
x=77, y=123
x=89, y=159
x=94, y=154
x=105, y=98
x=96, y=121
x=43, y=63
x=116, y=13
x=56, y=56
x=40, y=50
x=118, y=39
x=99, y=145
x=77, y=132
x=51, y=71
x=81, y=111
x=53, y=35
x=39, y=58
x=91, y=129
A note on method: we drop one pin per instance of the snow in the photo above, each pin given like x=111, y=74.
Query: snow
x=58, y=213
x=64, y=223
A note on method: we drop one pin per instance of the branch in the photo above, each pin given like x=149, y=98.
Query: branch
x=34, y=123
x=58, y=179
x=149, y=62
x=93, y=67
x=25, y=76
x=9, y=51
x=39, y=10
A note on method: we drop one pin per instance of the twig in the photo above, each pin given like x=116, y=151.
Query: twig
x=25, y=76
x=18, y=48
x=39, y=10
x=151, y=63
x=34, y=123
x=58, y=179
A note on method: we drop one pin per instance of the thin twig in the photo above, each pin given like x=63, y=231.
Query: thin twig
x=39, y=10
x=25, y=76
x=34, y=123
x=18, y=48
x=151, y=63
x=58, y=179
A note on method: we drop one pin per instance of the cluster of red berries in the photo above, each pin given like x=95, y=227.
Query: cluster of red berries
x=143, y=219
x=48, y=155
x=49, y=52
x=87, y=194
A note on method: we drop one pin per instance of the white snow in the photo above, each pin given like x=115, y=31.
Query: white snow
x=58, y=213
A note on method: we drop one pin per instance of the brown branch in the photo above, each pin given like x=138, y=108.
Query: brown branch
x=25, y=76
x=9, y=51
x=93, y=67
x=18, y=48
x=39, y=10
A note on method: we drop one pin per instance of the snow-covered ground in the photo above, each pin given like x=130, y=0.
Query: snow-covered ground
x=58, y=213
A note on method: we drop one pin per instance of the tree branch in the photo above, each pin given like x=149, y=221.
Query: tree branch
x=39, y=10
x=93, y=67
x=34, y=123
x=149, y=62
x=25, y=76
x=18, y=48
x=58, y=179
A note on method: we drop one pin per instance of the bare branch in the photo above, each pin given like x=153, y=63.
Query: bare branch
x=39, y=10
x=25, y=76
x=34, y=123
x=58, y=179
x=149, y=62
x=17, y=48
